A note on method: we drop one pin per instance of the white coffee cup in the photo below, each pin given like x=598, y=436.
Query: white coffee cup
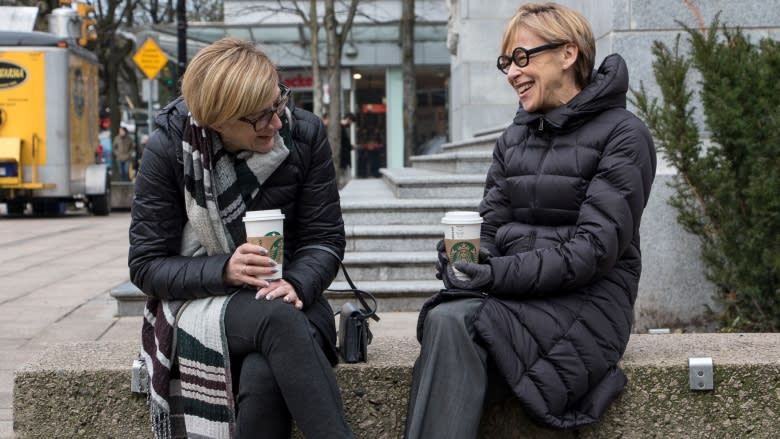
x=266, y=229
x=461, y=238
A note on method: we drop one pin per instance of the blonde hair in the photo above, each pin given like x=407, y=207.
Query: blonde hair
x=227, y=80
x=555, y=23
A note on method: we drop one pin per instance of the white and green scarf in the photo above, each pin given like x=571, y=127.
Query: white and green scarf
x=184, y=342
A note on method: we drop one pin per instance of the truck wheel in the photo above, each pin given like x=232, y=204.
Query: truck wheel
x=101, y=204
x=48, y=207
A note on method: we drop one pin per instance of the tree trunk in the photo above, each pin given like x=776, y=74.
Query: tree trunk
x=334, y=84
x=335, y=41
x=407, y=69
x=314, y=28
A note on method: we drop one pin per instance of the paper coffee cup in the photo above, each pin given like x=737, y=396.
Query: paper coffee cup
x=266, y=229
x=461, y=238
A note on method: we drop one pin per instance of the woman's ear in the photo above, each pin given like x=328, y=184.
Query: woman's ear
x=570, y=52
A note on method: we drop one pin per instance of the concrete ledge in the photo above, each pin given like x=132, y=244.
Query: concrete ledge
x=84, y=390
x=122, y=193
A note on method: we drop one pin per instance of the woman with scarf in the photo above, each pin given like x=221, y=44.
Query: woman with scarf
x=229, y=353
x=546, y=313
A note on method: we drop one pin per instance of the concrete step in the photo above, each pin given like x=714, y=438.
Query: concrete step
x=394, y=211
x=498, y=129
x=391, y=296
x=392, y=266
x=481, y=143
x=464, y=162
x=408, y=183
x=372, y=202
x=411, y=237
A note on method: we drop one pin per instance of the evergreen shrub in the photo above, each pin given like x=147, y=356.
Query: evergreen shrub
x=727, y=192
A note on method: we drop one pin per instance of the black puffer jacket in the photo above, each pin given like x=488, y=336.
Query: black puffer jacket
x=303, y=187
x=562, y=206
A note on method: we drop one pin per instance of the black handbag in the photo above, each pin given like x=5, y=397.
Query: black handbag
x=354, y=333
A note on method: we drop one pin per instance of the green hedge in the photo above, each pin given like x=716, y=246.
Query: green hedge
x=728, y=192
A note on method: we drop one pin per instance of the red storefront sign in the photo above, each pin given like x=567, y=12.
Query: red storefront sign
x=373, y=108
x=297, y=80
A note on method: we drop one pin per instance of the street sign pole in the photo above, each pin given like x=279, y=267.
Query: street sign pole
x=150, y=59
x=181, y=35
x=150, y=93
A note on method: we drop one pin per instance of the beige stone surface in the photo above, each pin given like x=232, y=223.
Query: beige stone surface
x=89, y=382
x=56, y=274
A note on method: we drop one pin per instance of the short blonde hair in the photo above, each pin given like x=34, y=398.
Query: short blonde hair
x=555, y=23
x=227, y=80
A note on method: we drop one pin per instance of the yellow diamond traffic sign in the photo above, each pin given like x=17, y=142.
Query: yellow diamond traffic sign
x=150, y=58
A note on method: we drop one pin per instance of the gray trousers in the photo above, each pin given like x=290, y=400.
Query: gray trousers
x=451, y=377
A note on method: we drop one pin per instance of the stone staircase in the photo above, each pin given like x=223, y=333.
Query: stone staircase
x=393, y=223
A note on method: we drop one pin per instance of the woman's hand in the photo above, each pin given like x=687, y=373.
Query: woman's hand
x=250, y=261
x=280, y=288
x=247, y=263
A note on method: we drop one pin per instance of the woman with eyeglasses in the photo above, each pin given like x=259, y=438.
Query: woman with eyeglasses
x=546, y=313
x=229, y=353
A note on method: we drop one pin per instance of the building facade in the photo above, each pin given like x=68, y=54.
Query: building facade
x=371, y=68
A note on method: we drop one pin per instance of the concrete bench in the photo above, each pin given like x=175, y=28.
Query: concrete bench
x=122, y=194
x=83, y=390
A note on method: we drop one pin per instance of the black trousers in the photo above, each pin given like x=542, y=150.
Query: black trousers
x=282, y=372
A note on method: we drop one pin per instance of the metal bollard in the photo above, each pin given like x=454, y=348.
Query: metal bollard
x=140, y=381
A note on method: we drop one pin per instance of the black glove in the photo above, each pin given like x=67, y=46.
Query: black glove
x=441, y=258
x=480, y=276
x=444, y=269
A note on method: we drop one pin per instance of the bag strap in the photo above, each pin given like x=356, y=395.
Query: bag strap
x=367, y=311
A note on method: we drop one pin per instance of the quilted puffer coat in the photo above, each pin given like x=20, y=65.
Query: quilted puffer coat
x=303, y=187
x=563, y=201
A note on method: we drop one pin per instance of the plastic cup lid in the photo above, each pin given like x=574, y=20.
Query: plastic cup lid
x=263, y=215
x=461, y=217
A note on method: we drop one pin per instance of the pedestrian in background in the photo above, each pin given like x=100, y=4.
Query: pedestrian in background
x=346, y=142
x=122, y=149
x=250, y=354
x=546, y=313
x=139, y=153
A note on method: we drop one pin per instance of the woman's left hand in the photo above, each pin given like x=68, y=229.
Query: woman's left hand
x=280, y=288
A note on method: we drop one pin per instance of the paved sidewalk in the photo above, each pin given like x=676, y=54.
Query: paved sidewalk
x=55, y=278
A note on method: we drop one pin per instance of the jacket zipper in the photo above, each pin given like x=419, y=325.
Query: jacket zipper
x=539, y=172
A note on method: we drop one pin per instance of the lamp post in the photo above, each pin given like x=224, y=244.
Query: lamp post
x=181, y=34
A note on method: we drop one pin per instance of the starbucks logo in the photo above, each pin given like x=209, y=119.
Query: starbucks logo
x=463, y=251
x=276, y=251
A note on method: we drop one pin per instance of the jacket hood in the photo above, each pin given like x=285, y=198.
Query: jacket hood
x=171, y=119
x=606, y=90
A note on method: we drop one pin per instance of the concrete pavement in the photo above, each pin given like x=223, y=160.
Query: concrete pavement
x=55, y=278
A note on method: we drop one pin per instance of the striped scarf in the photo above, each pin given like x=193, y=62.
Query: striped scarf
x=183, y=342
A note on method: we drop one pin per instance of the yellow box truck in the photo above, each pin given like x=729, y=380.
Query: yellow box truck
x=49, y=125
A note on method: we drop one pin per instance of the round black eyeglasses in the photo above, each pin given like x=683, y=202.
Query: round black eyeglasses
x=521, y=56
x=266, y=115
